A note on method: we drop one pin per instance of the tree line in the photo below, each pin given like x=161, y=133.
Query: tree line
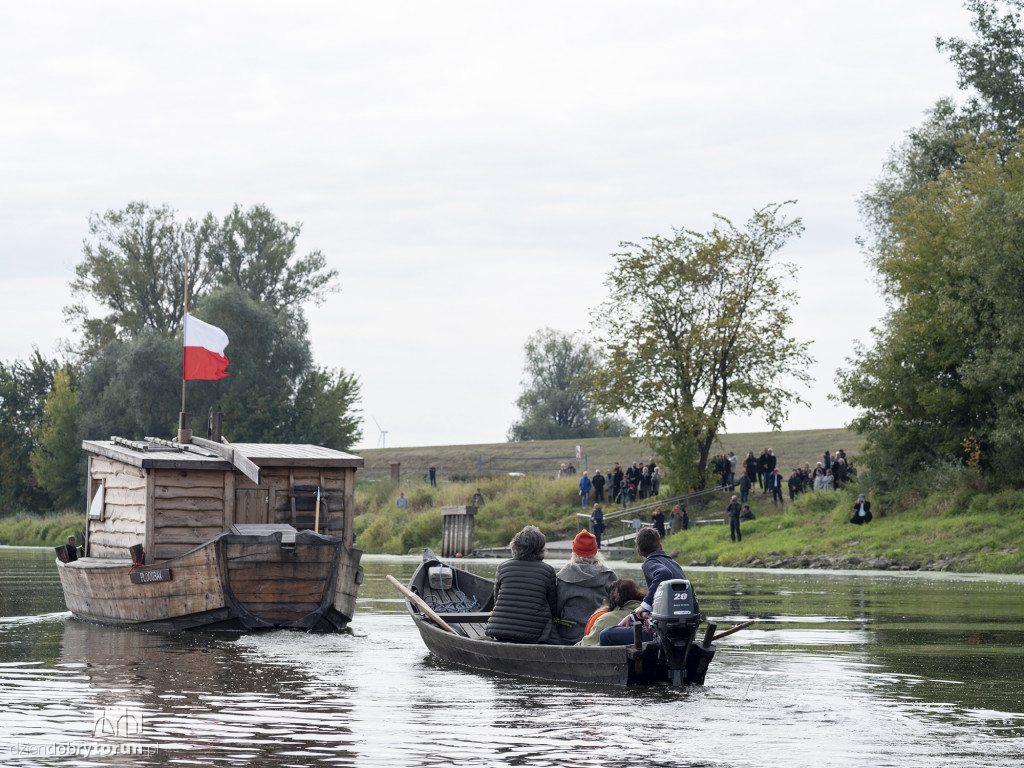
x=121, y=372
x=941, y=389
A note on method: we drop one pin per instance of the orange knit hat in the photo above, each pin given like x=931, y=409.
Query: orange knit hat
x=584, y=545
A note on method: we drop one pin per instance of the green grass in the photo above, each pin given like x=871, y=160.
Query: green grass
x=965, y=531
x=981, y=536
x=959, y=528
x=27, y=530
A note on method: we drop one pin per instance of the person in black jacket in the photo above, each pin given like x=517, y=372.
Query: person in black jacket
x=861, y=511
x=525, y=593
x=657, y=567
x=733, y=511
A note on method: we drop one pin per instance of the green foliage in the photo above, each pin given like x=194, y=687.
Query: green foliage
x=274, y=392
x=132, y=388
x=511, y=503
x=57, y=463
x=27, y=530
x=554, y=404
x=24, y=388
x=696, y=329
x=940, y=389
x=134, y=267
x=257, y=253
x=944, y=383
x=421, y=531
x=992, y=66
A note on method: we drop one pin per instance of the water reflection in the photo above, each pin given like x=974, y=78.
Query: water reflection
x=840, y=669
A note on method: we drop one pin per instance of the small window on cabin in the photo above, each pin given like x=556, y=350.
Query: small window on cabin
x=96, y=505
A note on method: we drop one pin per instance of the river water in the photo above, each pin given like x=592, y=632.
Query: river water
x=841, y=669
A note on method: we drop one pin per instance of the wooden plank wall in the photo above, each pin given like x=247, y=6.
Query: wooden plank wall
x=189, y=509
x=332, y=482
x=124, y=509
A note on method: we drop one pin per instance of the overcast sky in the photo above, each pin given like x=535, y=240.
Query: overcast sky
x=467, y=167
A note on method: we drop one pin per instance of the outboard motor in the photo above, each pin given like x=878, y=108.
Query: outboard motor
x=675, y=618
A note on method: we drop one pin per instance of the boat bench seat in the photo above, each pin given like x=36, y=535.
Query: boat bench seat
x=468, y=624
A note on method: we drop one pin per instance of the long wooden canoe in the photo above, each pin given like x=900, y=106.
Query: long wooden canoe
x=464, y=600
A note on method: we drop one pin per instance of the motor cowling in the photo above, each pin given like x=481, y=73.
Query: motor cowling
x=675, y=617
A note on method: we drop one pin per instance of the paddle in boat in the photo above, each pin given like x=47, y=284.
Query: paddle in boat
x=450, y=607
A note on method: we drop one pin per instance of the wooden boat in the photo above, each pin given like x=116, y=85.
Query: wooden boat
x=203, y=534
x=450, y=607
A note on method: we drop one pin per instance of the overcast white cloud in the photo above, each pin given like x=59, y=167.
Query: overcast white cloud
x=468, y=167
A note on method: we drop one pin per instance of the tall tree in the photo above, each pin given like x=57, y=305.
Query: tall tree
x=274, y=392
x=554, y=403
x=24, y=387
x=696, y=329
x=937, y=386
x=133, y=269
x=57, y=462
x=944, y=381
x=992, y=65
x=257, y=252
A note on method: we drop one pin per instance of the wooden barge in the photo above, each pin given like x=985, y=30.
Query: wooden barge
x=211, y=535
x=450, y=608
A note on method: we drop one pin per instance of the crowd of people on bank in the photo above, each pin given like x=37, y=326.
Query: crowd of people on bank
x=637, y=482
x=584, y=603
x=833, y=472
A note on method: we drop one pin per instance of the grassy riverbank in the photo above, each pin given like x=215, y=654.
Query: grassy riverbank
x=969, y=532
x=26, y=530
x=962, y=530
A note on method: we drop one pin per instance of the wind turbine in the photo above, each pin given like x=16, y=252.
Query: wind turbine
x=382, y=440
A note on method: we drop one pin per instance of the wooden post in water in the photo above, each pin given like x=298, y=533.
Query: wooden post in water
x=457, y=531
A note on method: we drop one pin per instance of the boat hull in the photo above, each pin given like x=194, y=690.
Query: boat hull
x=469, y=646
x=232, y=581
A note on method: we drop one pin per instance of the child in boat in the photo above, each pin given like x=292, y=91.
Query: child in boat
x=624, y=597
x=657, y=567
x=582, y=587
x=525, y=595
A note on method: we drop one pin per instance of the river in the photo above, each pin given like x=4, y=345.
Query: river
x=841, y=669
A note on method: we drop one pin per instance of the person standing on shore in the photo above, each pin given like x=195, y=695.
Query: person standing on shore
x=598, y=485
x=597, y=523
x=585, y=486
x=734, y=510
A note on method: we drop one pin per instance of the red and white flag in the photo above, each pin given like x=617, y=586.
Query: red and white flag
x=204, y=350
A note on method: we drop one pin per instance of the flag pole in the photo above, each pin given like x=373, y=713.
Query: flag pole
x=183, y=321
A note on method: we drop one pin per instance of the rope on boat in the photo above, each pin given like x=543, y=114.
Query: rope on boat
x=454, y=602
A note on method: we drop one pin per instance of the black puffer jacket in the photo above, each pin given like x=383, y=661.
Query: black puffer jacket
x=525, y=599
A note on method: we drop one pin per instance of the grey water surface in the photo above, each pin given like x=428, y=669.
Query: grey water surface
x=841, y=669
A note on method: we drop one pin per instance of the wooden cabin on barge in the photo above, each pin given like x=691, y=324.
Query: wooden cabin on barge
x=198, y=534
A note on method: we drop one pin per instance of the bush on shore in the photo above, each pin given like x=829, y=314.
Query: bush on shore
x=27, y=530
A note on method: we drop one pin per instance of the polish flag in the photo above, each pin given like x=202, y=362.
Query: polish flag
x=204, y=350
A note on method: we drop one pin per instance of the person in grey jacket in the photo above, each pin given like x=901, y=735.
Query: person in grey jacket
x=525, y=595
x=582, y=588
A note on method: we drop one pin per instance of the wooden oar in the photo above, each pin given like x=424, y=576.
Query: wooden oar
x=316, y=520
x=421, y=604
x=737, y=628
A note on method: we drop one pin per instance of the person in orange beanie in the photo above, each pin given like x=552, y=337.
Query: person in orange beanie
x=582, y=588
